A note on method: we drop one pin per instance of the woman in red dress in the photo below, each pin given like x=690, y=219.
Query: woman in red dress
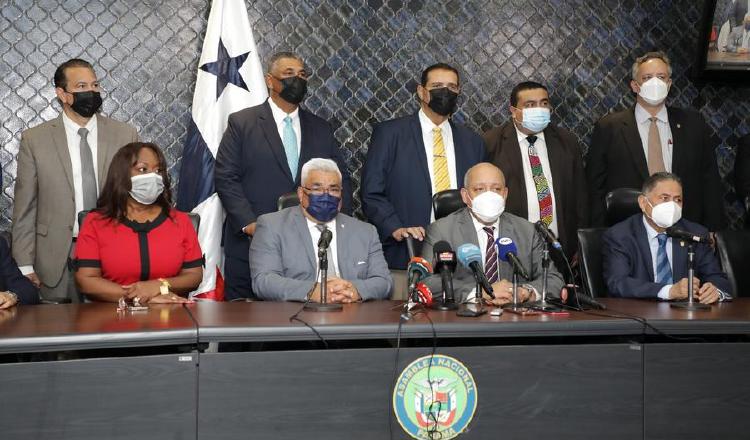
x=134, y=244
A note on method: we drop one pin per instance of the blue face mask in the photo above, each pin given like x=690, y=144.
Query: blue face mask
x=535, y=119
x=323, y=207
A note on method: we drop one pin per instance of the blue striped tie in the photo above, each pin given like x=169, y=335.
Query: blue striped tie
x=663, y=269
x=290, y=146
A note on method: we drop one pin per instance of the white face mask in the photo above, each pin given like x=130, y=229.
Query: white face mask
x=665, y=214
x=488, y=206
x=654, y=91
x=146, y=188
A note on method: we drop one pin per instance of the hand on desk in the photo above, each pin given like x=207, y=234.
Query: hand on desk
x=338, y=291
x=503, y=291
x=7, y=300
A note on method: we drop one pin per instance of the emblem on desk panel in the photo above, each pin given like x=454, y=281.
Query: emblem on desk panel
x=435, y=398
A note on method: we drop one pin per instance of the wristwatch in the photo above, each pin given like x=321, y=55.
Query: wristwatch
x=164, y=287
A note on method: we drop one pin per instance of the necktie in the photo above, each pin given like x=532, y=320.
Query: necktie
x=439, y=161
x=663, y=269
x=655, y=157
x=290, y=146
x=490, y=256
x=332, y=268
x=542, y=186
x=88, y=176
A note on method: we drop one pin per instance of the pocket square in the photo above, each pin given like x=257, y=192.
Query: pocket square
x=360, y=262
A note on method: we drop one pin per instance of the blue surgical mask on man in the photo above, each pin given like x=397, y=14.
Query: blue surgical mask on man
x=323, y=207
x=535, y=119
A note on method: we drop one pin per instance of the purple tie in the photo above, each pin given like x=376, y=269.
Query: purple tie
x=490, y=265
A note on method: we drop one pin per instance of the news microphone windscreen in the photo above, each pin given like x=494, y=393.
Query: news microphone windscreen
x=505, y=245
x=420, y=265
x=442, y=246
x=468, y=253
x=424, y=294
x=325, y=238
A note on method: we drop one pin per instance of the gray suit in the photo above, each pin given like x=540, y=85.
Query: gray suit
x=458, y=228
x=44, y=202
x=283, y=260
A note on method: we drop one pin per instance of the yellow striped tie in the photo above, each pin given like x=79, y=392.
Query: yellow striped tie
x=439, y=161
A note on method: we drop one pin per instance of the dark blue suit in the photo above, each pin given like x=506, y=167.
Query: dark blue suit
x=628, y=267
x=396, y=185
x=12, y=279
x=252, y=172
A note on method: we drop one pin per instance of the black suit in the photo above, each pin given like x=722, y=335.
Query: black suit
x=616, y=159
x=252, y=172
x=12, y=279
x=742, y=172
x=566, y=162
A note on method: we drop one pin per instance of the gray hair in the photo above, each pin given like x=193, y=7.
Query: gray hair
x=651, y=181
x=282, y=55
x=319, y=164
x=657, y=55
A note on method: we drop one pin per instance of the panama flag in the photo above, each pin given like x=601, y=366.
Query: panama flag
x=230, y=78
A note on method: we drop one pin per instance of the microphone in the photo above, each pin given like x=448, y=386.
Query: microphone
x=470, y=257
x=507, y=251
x=548, y=236
x=589, y=301
x=325, y=239
x=445, y=263
x=682, y=234
x=424, y=294
x=418, y=269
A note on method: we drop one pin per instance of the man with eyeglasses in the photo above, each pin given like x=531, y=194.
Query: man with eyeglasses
x=413, y=157
x=259, y=159
x=630, y=145
x=543, y=165
x=284, y=250
x=62, y=165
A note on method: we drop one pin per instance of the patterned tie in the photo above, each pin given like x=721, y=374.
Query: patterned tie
x=332, y=268
x=655, y=156
x=490, y=252
x=542, y=186
x=663, y=269
x=88, y=176
x=439, y=161
x=290, y=146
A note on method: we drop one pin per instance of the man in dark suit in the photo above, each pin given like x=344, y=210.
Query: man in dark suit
x=413, y=157
x=14, y=287
x=629, y=145
x=260, y=157
x=543, y=165
x=742, y=174
x=641, y=261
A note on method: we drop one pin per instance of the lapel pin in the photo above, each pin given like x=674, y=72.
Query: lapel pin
x=679, y=126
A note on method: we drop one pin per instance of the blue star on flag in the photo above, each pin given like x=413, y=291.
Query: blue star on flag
x=226, y=69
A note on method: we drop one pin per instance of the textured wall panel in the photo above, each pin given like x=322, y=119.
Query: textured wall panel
x=365, y=57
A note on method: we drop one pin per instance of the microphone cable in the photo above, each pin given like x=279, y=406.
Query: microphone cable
x=296, y=317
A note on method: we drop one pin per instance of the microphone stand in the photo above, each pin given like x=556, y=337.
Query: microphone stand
x=543, y=305
x=323, y=305
x=690, y=305
x=477, y=308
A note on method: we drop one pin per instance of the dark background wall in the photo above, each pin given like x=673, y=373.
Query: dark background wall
x=365, y=57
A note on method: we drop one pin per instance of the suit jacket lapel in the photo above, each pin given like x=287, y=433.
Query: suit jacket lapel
x=102, y=149
x=633, y=142
x=679, y=257
x=558, y=167
x=305, y=153
x=60, y=140
x=466, y=229
x=304, y=236
x=459, y=151
x=641, y=241
x=343, y=262
x=418, y=143
x=271, y=133
x=511, y=157
x=675, y=126
x=506, y=229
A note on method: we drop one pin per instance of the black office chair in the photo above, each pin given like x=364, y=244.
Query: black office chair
x=81, y=216
x=5, y=235
x=287, y=200
x=621, y=203
x=734, y=252
x=590, y=253
x=447, y=202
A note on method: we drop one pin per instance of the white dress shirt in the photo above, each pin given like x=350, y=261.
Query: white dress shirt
x=450, y=152
x=532, y=198
x=665, y=133
x=278, y=117
x=315, y=235
x=653, y=244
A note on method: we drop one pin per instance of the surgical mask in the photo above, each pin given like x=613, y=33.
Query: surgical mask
x=654, y=91
x=535, y=119
x=86, y=103
x=443, y=101
x=323, y=207
x=665, y=214
x=488, y=206
x=146, y=188
x=293, y=89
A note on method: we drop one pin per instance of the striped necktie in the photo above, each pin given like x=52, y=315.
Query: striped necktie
x=542, y=186
x=439, y=161
x=490, y=256
x=663, y=269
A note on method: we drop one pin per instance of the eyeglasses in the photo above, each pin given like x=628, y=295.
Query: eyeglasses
x=319, y=190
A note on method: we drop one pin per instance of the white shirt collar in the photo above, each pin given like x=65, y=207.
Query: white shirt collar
x=479, y=226
x=427, y=125
x=522, y=136
x=641, y=115
x=314, y=225
x=279, y=114
x=651, y=233
x=74, y=127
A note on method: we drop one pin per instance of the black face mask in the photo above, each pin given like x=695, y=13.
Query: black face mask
x=443, y=101
x=86, y=103
x=293, y=89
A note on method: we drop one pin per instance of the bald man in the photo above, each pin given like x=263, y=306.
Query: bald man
x=481, y=223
